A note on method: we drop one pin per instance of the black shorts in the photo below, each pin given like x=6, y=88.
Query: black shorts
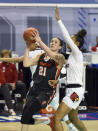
x=36, y=100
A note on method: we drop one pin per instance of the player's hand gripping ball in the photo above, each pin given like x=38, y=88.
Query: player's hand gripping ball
x=27, y=35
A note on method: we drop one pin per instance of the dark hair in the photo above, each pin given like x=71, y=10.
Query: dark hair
x=61, y=41
x=80, y=37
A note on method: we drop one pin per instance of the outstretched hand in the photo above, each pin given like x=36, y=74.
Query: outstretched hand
x=53, y=82
x=57, y=13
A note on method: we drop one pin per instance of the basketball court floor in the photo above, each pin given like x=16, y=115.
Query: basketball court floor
x=12, y=123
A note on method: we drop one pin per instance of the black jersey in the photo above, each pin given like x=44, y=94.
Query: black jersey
x=46, y=70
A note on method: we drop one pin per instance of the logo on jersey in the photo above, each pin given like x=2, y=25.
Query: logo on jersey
x=74, y=97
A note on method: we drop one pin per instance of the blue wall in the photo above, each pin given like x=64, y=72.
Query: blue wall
x=74, y=19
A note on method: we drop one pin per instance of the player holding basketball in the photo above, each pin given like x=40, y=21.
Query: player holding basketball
x=74, y=90
x=48, y=67
x=54, y=103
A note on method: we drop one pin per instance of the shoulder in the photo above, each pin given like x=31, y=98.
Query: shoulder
x=60, y=60
x=61, y=57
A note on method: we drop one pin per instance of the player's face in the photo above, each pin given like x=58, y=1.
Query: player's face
x=73, y=37
x=75, y=41
x=55, y=44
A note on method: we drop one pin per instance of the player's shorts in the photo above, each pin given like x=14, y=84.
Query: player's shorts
x=73, y=97
x=36, y=100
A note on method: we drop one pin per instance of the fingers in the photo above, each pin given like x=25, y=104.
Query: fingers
x=56, y=9
x=50, y=82
x=34, y=33
x=57, y=13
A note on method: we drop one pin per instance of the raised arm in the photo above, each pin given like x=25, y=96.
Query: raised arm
x=65, y=33
x=58, y=58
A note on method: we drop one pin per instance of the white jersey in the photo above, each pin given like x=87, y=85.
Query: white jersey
x=74, y=63
x=74, y=72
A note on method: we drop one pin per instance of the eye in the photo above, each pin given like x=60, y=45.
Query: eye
x=56, y=42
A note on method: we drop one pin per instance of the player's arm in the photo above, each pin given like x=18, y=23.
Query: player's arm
x=58, y=58
x=30, y=61
x=65, y=33
x=55, y=82
x=43, y=45
x=17, y=59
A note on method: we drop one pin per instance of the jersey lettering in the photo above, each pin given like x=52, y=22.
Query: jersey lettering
x=42, y=71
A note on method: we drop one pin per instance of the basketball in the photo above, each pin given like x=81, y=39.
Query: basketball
x=27, y=35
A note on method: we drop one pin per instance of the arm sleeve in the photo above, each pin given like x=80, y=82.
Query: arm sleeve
x=67, y=37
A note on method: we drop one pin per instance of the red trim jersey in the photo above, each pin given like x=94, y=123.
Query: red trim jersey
x=46, y=70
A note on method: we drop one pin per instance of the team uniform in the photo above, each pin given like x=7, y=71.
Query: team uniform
x=41, y=93
x=74, y=66
x=32, y=54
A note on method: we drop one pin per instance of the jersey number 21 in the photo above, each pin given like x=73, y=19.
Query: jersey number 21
x=42, y=71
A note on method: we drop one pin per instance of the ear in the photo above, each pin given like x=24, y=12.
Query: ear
x=60, y=47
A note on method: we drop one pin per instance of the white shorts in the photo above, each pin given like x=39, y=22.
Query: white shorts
x=73, y=97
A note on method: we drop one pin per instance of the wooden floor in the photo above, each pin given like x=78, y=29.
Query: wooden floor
x=16, y=126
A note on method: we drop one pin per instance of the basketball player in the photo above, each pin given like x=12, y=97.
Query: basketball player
x=74, y=90
x=54, y=103
x=48, y=67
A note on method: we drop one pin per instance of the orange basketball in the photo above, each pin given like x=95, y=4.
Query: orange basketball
x=27, y=35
